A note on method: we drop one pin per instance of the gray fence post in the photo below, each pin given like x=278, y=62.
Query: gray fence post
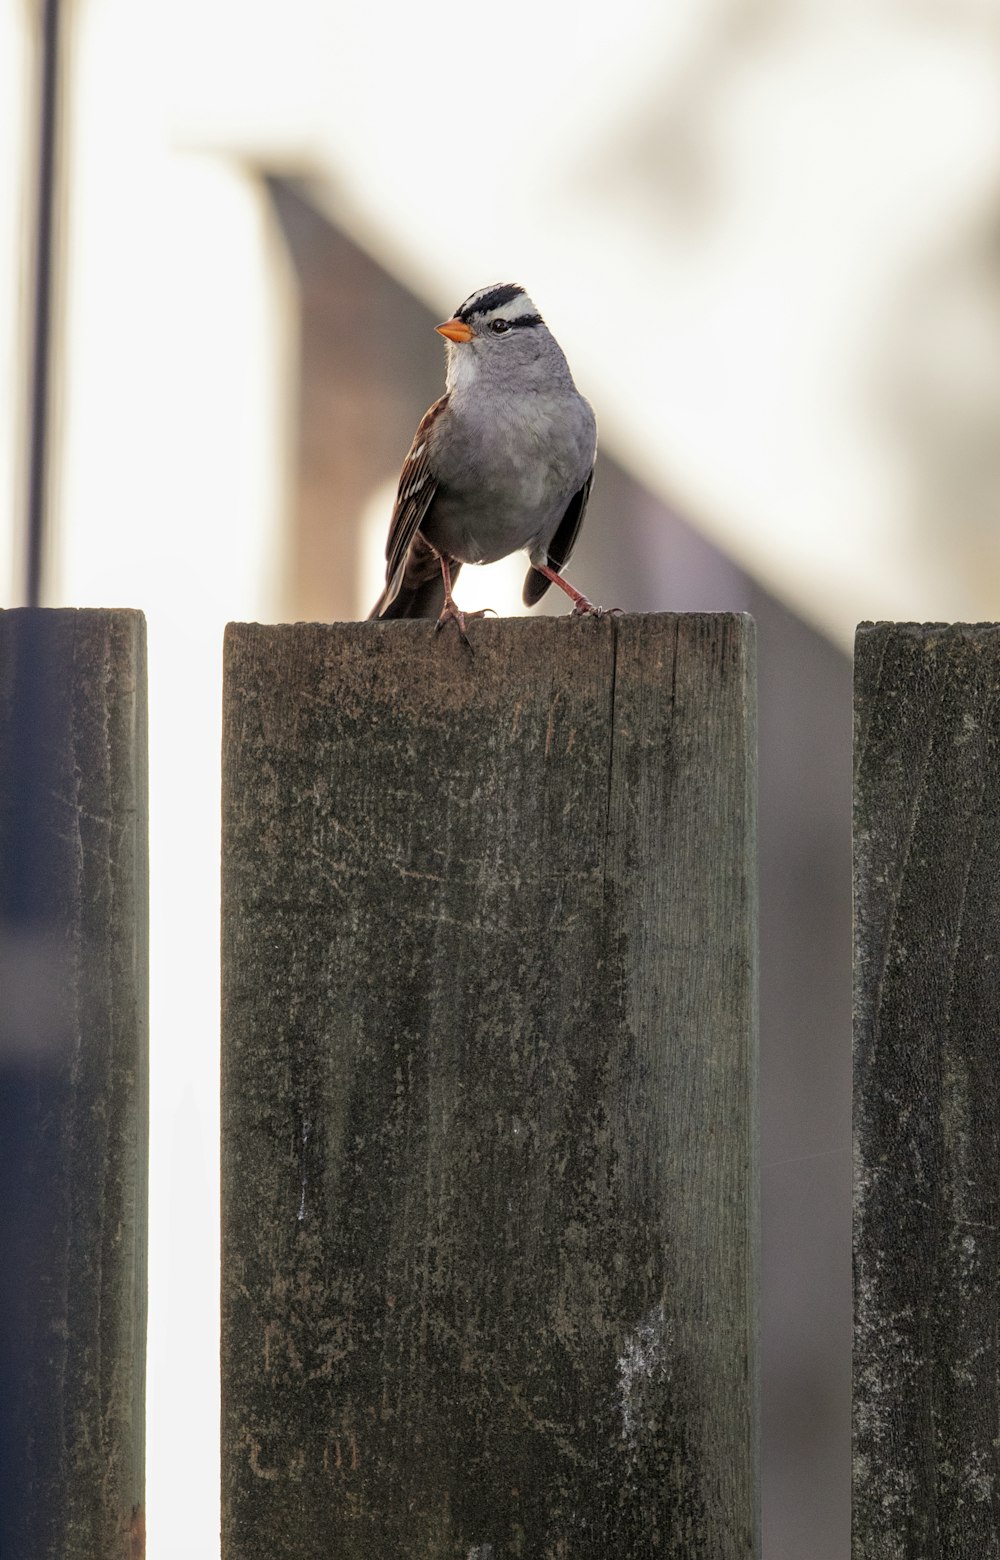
x=927, y=1092
x=489, y=1073
x=73, y=1054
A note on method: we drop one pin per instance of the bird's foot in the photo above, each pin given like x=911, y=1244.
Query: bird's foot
x=585, y=608
x=582, y=606
x=450, y=613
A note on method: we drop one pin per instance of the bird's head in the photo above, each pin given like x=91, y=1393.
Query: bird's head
x=499, y=330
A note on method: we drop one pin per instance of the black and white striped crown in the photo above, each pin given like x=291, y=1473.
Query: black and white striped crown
x=504, y=300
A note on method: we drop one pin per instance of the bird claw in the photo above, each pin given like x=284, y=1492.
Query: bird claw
x=452, y=614
x=587, y=608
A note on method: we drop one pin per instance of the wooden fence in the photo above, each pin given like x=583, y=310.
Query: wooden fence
x=72, y=1084
x=926, y=1101
x=488, y=1097
x=489, y=1090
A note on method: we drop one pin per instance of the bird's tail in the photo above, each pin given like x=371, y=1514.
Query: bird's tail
x=422, y=599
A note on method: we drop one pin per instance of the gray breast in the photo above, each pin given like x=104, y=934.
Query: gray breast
x=504, y=480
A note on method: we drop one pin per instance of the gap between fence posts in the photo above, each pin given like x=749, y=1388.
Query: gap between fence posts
x=926, y=1091
x=489, y=1091
x=73, y=1083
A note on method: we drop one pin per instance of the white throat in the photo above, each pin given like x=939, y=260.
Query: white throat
x=462, y=370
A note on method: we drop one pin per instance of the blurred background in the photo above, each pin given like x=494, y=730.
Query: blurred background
x=767, y=234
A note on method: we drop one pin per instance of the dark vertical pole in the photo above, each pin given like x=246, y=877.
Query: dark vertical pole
x=927, y=1092
x=41, y=325
x=73, y=1067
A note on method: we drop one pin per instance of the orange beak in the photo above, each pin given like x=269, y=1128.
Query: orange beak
x=455, y=330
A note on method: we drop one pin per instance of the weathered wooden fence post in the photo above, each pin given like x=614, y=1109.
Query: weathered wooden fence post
x=73, y=1056
x=927, y=1092
x=489, y=1118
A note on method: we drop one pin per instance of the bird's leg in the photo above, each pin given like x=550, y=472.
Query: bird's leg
x=451, y=610
x=581, y=605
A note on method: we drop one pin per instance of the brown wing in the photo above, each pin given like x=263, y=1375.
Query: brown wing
x=414, y=496
x=561, y=545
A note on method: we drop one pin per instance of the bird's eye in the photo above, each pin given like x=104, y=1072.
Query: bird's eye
x=499, y=327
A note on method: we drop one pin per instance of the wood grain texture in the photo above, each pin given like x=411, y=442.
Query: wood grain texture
x=489, y=1091
x=73, y=1090
x=927, y=1092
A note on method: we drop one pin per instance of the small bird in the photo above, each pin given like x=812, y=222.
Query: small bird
x=502, y=462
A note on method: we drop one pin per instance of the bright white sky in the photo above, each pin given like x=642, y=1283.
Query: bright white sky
x=733, y=218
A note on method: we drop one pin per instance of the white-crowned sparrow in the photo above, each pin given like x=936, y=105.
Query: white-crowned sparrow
x=502, y=462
